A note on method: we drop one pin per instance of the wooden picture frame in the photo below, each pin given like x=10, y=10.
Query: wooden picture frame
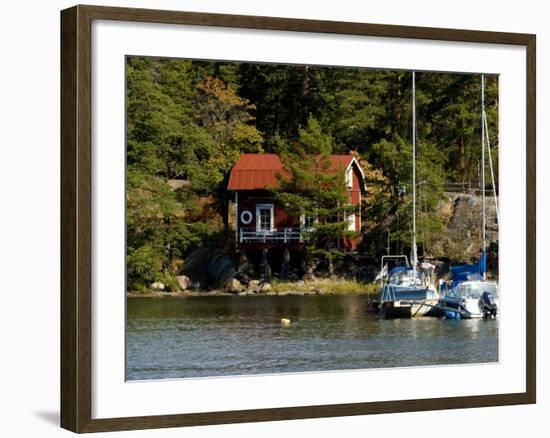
x=76, y=218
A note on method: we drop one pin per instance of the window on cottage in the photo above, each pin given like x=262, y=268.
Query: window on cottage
x=264, y=216
x=351, y=220
x=308, y=222
x=349, y=178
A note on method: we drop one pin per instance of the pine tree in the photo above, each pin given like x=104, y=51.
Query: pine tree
x=312, y=187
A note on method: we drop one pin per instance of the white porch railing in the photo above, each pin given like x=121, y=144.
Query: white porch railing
x=279, y=235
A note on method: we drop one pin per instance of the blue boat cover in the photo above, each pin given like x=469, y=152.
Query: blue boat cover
x=469, y=272
x=399, y=269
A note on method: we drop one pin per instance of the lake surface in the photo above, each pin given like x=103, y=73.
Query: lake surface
x=226, y=335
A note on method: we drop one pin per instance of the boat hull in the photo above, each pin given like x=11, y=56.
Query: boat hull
x=406, y=295
x=410, y=309
x=468, y=308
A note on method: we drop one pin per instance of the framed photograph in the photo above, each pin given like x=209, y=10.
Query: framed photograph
x=270, y=218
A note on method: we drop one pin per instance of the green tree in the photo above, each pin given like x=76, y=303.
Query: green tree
x=314, y=187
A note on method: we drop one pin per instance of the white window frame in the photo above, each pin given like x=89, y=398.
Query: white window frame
x=349, y=177
x=272, y=217
x=303, y=222
x=350, y=219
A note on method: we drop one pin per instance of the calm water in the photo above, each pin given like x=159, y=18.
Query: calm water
x=214, y=336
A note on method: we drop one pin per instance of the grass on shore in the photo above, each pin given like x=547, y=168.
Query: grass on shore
x=325, y=286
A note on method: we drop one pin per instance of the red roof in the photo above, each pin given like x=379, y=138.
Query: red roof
x=259, y=171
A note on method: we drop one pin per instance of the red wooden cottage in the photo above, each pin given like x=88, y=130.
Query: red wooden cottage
x=261, y=222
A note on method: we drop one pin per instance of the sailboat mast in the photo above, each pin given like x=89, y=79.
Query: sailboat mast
x=414, y=171
x=483, y=226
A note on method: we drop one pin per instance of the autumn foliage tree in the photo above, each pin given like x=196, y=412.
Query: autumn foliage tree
x=226, y=117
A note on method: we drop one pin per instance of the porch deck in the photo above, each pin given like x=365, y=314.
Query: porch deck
x=275, y=235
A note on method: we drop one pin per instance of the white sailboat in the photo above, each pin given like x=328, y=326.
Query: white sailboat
x=471, y=295
x=405, y=291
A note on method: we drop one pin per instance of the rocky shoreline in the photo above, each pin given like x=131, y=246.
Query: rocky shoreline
x=218, y=293
x=263, y=288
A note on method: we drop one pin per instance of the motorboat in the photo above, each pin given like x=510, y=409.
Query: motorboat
x=471, y=299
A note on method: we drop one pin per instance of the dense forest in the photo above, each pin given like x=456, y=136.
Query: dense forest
x=188, y=122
